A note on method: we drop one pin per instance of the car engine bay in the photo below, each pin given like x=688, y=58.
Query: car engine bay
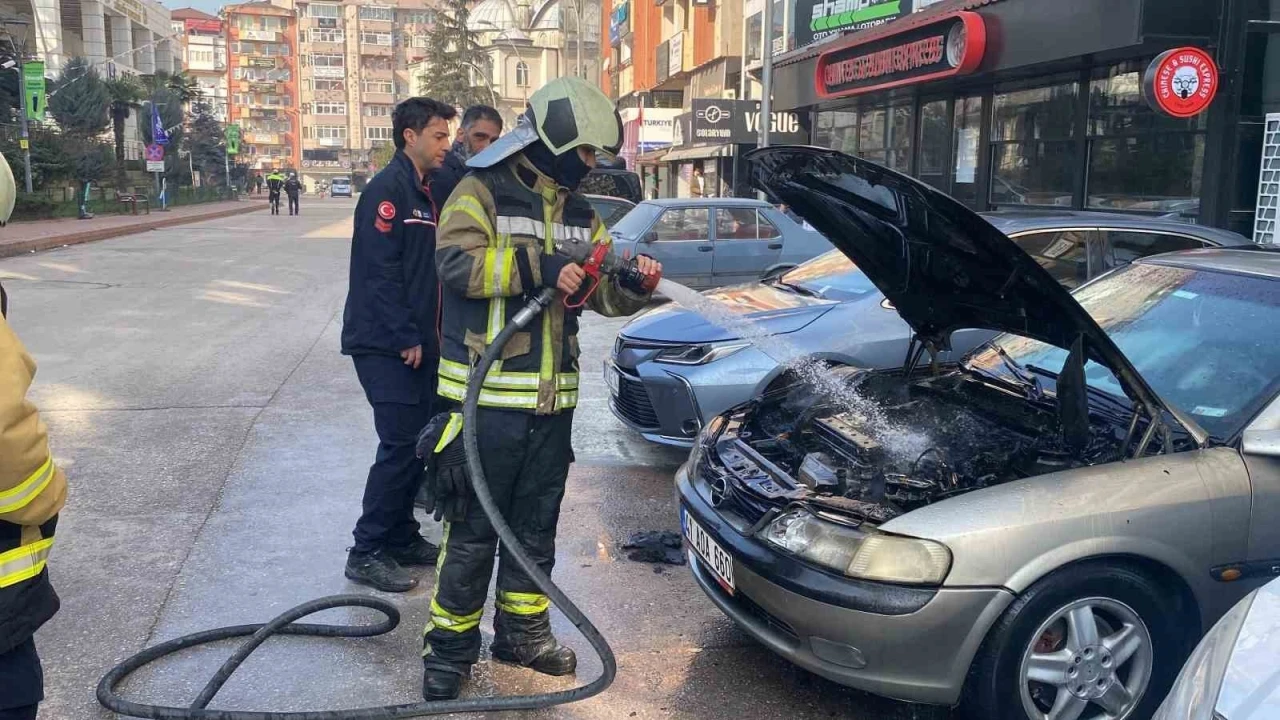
x=936, y=437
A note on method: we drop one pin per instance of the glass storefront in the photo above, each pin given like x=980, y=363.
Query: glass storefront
x=966, y=141
x=1033, y=147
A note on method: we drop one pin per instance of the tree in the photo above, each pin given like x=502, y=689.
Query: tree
x=80, y=101
x=381, y=156
x=457, y=59
x=126, y=93
x=206, y=144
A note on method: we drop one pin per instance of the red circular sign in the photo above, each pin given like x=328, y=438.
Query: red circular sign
x=1181, y=82
x=386, y=210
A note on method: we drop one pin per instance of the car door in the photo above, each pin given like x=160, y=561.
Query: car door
x=681, y=240
x=1071, y=255
x=1122, y=246
x=746, y=244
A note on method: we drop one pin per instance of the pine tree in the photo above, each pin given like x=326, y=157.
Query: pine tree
x=457, y=65
x=80, y=101
x=205, y=142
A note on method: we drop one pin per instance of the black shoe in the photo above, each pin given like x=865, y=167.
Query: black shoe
x=440, y=684
x=378, y=569
x=417, y=552
x=554, y=659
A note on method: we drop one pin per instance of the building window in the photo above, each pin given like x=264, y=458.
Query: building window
x=327, y=35
x=328, y=60
x=1033, y=151
x=881, y=134
x=378, y=86
x=522, y=74
x=331, y=132
x=933, y=144
x=420, y=41
x=755, y=37
x=378, y=110
x=377, y=133
x=838, y=130
x=418, y=17
x=321, y=84
x=376, y=38
x=324, y=10
x=965, y=147
x=330, y=108
x=1140, y=159
x=377, y=12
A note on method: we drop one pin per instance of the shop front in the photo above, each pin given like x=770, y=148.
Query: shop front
x=1042, y=103
x=705, y=157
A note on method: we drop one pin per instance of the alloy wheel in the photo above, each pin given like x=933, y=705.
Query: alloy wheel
x=1090, y=660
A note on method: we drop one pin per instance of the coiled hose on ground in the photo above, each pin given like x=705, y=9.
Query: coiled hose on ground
x=285, y=623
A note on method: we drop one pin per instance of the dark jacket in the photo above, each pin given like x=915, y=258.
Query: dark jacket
x=444, y=179
x=393, y=298
x=292, y=187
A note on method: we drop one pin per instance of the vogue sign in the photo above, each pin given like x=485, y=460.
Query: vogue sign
x=951, y=45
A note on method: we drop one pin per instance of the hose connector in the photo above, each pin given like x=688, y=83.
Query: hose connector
x=534, y=307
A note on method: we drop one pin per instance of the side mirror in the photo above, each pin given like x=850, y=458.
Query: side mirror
x=1262, y=442
x=650, y=237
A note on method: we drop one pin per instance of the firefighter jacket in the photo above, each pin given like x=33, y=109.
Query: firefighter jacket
x=495, y=248
x=393, y=298
x=32, y=491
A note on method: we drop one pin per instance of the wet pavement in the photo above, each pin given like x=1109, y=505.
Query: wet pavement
x=216, y=443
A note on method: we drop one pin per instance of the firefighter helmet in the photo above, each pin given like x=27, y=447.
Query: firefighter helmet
x=564, y=114
x=8, y=190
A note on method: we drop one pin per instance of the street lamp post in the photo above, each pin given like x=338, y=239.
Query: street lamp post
x=766, y=76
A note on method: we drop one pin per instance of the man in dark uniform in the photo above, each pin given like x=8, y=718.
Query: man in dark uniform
x=390, y=330
x=481, y=125
x=293, y=188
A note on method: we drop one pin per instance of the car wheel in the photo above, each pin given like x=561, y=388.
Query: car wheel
x=1097, y=641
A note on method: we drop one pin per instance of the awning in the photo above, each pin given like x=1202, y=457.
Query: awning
x=698, y=153
x=652, y=157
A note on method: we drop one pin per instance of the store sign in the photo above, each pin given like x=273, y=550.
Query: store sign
x=619, y=22
x=1181, y=82
x=676, y=62
x=682, y=130
x=664, y=61
x=816, y=20
x=258, y=35
x=951, y=45
x=655, y=127
x=739, y=121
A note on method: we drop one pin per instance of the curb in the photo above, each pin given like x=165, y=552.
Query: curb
x=24, y=247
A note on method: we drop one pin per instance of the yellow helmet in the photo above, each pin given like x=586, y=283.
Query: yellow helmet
x=564, y=114
x=8, y=190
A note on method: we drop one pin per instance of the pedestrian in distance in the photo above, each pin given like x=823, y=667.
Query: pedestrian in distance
x=257, y=182
x=293, y=188
x=390, y=331
x=275, y=183
x=32, y=492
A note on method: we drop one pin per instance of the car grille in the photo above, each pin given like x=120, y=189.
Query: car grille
x=633, y=403
x=748, y=605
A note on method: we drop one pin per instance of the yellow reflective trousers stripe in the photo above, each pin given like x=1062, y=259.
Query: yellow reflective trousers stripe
x=523, y=603
x=24, y=563
x=20, y=496
x=453, y=622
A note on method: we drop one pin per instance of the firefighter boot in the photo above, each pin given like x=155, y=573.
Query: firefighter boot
x=526, y=640
x=439, y=683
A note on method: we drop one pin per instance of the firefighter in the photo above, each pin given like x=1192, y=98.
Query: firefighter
x=389, y=330
x=495, y=247
x=32, y=491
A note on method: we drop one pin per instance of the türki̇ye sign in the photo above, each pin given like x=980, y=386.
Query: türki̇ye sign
x=951, y=45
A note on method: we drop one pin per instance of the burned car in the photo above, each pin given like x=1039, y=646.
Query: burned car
x=1040, y=531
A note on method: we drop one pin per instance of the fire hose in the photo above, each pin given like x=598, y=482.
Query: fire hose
x=286, y=624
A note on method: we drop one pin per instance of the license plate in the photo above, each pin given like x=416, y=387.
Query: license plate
x=611, y=374
x=714, y=557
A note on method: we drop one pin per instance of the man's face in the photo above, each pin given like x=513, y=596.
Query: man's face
x=480, y=135
x=427, y=148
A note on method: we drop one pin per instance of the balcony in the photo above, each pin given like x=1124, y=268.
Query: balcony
x=329, y=73
x=368, y=73
x=372, y=50
x=378, y=98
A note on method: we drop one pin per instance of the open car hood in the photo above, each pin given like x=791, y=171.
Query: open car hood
x=942, y=266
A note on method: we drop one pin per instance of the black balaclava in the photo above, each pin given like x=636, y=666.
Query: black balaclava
x=567, y=168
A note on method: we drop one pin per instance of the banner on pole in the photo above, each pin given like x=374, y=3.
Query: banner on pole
x=33, y=88
x=233, y=139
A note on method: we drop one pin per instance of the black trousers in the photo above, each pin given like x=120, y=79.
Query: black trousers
x=273, y=197
x=293, y=205
x=526, y=461
x=402, y=399
x=21, y=682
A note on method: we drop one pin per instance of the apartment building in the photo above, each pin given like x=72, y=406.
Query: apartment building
x=202, y=47
x=262, y=81
x=354, y=60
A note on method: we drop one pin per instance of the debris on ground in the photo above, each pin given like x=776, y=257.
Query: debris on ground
x=655, y=546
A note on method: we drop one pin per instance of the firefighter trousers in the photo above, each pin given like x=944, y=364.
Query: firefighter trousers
x=526, y=460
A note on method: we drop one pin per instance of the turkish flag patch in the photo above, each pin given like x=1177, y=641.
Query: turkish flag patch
x=386, y=210
x=382, y=225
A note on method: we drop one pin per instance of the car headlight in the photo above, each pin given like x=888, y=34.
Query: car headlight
x=866, y=554
x=705, y=437
x=1195, y=693
x=699, y=354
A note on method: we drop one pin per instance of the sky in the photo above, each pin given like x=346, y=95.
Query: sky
x=209, y=6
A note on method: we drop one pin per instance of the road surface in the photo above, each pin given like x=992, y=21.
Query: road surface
x=216, y=444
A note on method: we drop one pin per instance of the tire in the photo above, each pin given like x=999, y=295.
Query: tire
x=995, y=687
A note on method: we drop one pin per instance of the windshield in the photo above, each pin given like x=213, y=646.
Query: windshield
x=1202, y=340
x=832, y=276
x=636, y=222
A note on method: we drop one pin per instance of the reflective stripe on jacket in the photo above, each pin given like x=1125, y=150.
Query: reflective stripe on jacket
x=495, y=232
x=32, y=491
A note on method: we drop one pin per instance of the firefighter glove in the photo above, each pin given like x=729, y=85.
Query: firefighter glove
x=446, y=480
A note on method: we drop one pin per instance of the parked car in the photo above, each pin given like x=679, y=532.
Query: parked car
x=1041, y=530
x=1231, y=675
x=674, y=370
x=709, y=242
x=341, y=187
x=610, y=209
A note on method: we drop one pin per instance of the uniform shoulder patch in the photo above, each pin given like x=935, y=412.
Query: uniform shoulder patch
x=382, y=225
x=386, y=210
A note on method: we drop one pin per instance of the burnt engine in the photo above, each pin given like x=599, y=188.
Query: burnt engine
x=929, y=439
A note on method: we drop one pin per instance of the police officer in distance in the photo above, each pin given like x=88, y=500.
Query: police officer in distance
x=390, y=331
